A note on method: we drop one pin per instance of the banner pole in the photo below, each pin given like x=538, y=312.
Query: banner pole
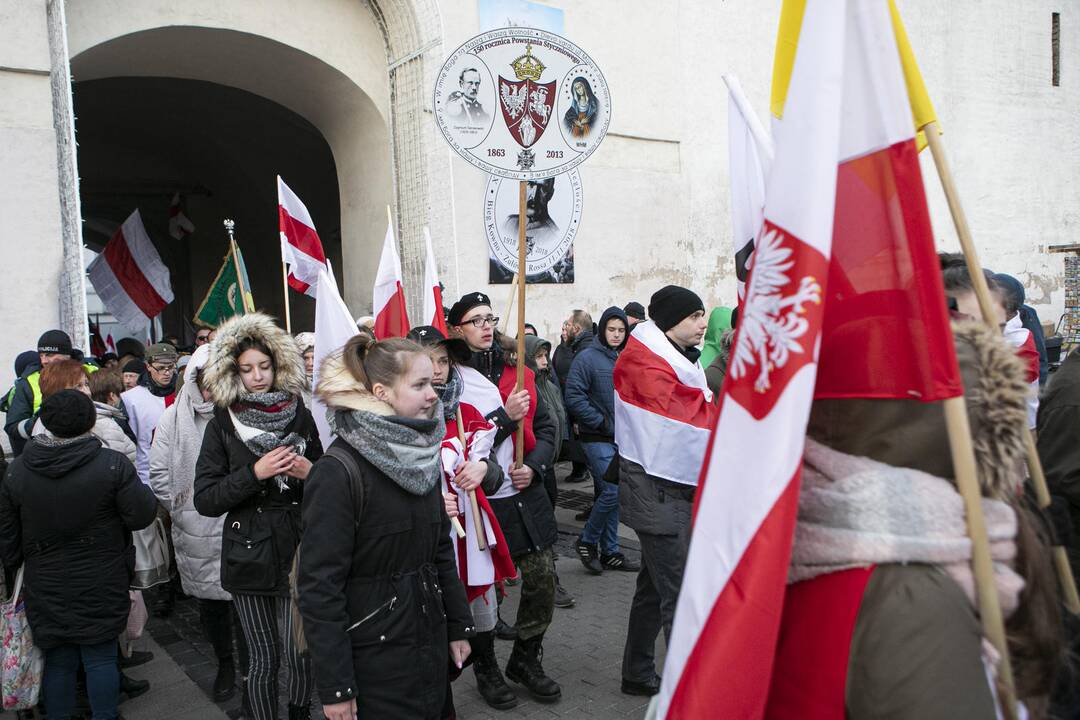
x=982, y=293
x=509, y=304
x=519, y=454
x=285, y=287
x=478, y=521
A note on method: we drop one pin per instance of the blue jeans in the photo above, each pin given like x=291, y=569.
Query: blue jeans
x=102, y=679
x=603, y=525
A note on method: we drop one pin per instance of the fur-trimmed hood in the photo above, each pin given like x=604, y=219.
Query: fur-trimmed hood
x=909, y=433
x=222, y=376
x=339, y=390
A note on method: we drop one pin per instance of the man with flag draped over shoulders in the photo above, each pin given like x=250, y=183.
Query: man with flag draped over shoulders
x=663, y=411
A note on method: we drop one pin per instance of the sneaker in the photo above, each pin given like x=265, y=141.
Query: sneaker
x=618, y=561
x=584, y=514
x=563, y=599
x=574, y=478
x=590, y=556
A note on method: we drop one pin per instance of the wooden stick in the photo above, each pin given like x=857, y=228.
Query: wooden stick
x=982, y=293
x=519, y=458
x=456, y=524
x=478, y=521
x=963, y=454
x=509, y=304
x=285, y=286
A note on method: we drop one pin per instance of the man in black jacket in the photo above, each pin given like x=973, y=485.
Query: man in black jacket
x=521, y=505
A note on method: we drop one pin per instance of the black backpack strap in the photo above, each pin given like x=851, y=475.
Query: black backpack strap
x=352, y=468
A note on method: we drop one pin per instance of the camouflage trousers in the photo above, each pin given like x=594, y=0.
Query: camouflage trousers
x=537, y=593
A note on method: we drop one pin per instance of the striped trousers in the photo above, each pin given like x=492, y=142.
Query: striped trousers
x=264, y=618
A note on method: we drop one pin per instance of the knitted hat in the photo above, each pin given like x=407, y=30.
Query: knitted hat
x=54, y=341
x=671, y=304
x=134, y=366
x=68, y=414
x=635, y=310
x=465, y=304
x=428, y=335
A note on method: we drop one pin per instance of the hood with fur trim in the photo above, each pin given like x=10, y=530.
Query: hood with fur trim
x=909, y=433
x=222, y=375
x=339, y=390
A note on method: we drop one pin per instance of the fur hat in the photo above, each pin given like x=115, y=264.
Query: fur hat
x=222, y=376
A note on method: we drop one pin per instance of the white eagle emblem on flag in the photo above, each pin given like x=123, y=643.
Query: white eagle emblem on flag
x=513, y=98
x=771, y=323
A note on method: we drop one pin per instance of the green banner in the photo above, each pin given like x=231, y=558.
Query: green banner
x=230, y=293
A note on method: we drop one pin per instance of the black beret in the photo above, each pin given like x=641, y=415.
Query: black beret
x=68, y=414
x=465, y=304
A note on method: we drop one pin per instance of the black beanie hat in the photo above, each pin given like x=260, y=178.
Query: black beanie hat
x=635, y=310
x=134, y=366
x=68, y=414
x=671, y=304
x=54, y=341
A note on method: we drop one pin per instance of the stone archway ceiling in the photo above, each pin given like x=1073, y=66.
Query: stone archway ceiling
x=414, y=52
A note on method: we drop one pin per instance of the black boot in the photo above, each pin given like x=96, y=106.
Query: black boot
x=225, y=682
x=131, y=687
x=524, y=668
x=489, y=680
x=299, y=712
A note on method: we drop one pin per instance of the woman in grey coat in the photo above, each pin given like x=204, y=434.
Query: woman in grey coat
x=196, y=538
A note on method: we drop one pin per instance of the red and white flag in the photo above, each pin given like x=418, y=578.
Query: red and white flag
x=180, y=226
x=433, y=302
x=391, y=317
x=750, y=154
x=663, y=407
x=130, y=277
x=110, y=344
x=301, y=247
x=334, y=326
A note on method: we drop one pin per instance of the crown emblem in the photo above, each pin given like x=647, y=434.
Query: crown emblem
x=527, y=67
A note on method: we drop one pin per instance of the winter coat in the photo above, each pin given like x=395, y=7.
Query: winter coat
x=196, y=537
x=262, y=521
x=590, y=389
x=1059, y=418
x=719, y=323
x=143, y=410
x=549, y=390
x=527, y=518
x=22, y=408
x=110, y=432
x=564, y=355
x=385, y=570
x=716, y=370
x=69, y=510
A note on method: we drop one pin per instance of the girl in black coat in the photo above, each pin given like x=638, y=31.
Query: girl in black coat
x=68, y=507
x=256, y=454
x=379, y=589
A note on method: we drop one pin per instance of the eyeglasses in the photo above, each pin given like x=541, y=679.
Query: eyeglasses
x=163, y=368
x=479, y=322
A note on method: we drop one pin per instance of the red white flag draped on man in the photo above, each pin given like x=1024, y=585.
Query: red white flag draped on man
x=391, y=318
x=433, y=302
x=130, y=277
x=864, y=276
x=301, y=247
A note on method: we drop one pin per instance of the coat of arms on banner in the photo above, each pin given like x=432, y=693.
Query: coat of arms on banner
x=527, y=104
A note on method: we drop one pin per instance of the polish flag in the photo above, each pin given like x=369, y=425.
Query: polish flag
x=391, y=318
x=1021, y=338
x=110, y=344
x=301, y=247
x=180, y=225
x=433, y=302
x=750, y=153
x=663, y=407
x=130, y=277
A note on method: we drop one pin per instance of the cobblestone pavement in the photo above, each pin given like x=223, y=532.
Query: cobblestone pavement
x=582, y=650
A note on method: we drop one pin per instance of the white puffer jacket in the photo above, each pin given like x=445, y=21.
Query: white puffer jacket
x=107, y=429
x=197, y=538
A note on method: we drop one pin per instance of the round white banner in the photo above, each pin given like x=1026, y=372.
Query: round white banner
x=521, y=103
x=553, y=214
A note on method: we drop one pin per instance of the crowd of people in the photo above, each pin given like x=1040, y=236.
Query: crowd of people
x=374, y=566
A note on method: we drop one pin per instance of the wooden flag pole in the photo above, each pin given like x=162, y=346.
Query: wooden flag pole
x=519, y=454
x=478, y=521
x=509, y=304
x=285, y=286
x=982, y=293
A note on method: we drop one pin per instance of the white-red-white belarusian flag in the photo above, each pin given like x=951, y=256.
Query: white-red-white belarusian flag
x=750, y=153
x=391, y=317
x=663, y=407
x=110, y=344
x=334, y=326
x=130, y=277
x=433, y=303
x=726, y=622
x=301, y=247
x=180, y=225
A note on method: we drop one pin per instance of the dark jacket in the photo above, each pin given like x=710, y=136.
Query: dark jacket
x=381, y=560
x=262, y=523
x=1058, y=420
x=527, y=518
x=69, y=511
x=590, y=389
x=548, y=388
x=21, y=412
x=565, y=353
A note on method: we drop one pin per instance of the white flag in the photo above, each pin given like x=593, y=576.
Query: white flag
x=334, y=327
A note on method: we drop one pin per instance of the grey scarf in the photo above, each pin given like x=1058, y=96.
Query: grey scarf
x=270, y=412
x=450, y=394
x=406, y=449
